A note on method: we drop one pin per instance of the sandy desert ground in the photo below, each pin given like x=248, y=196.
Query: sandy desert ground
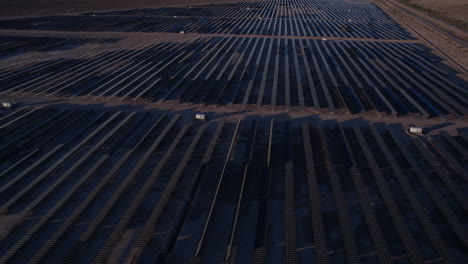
x=453, y=9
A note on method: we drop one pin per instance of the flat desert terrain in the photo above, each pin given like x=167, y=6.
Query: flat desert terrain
x=454, y=9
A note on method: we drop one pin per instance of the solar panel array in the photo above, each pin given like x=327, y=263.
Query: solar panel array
x=269, y=18
x=85, y=182
x=401, y=79
x=83, y=185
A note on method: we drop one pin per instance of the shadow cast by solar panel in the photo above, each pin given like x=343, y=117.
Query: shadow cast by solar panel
x=17, y=45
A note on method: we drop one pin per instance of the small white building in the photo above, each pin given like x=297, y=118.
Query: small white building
x=8, y=105
x=416, y=130
x=201, y=117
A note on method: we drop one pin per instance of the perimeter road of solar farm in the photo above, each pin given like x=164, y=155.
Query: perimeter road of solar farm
x=102, y=160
